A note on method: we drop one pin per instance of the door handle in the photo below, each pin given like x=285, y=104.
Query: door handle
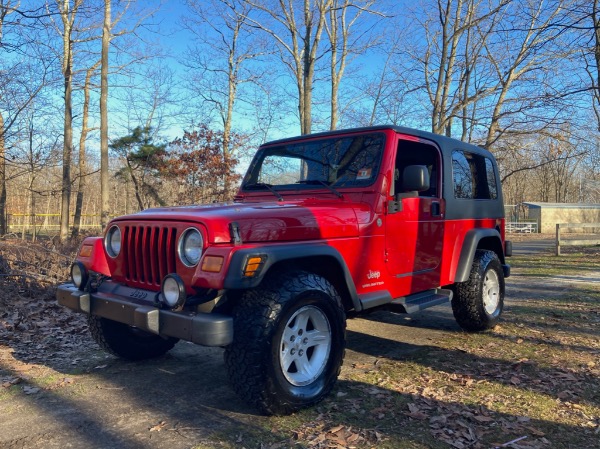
x=436, y=209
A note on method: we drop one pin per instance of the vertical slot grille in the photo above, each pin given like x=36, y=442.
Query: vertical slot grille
x=149, y=253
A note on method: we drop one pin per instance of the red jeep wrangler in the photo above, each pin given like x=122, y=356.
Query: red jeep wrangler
x=323, y=225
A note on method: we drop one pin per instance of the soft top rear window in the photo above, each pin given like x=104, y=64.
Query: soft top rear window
x=346, y=161
x=474, y=176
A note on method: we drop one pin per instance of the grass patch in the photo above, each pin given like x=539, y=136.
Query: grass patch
x=584, y=261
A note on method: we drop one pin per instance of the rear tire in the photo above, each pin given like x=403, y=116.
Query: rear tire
x=477, y=303
x=126, y=341
x=289, y=343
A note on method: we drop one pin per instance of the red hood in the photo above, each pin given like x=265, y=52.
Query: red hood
x=268, y=221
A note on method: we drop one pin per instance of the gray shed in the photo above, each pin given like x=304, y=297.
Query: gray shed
x=548, y=214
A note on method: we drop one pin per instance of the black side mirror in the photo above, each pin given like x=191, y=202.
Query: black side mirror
x=415, y=178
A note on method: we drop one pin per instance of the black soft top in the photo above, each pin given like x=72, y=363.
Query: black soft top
x=445, y=143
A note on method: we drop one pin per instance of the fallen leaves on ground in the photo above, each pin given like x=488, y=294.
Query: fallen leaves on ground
x=32, y=324
x=320, y=434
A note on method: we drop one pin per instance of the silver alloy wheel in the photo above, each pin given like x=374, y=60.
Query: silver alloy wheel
x=491, y=292
x=305, y=346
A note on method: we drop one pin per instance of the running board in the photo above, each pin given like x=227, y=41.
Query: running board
x=419, y=301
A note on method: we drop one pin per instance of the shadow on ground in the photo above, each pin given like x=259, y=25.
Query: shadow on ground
x=181, y=400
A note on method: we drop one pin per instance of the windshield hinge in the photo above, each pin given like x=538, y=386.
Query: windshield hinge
x=234, y=232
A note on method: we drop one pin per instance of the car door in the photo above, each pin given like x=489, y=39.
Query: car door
x=414, y=228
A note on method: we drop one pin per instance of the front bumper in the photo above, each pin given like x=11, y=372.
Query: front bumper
x=130, y=306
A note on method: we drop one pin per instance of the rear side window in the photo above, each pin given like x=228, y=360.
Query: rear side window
x=474, y=176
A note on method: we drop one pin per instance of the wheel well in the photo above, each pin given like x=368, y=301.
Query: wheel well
x=482, y=239
x=492, y=244
x=325, y=266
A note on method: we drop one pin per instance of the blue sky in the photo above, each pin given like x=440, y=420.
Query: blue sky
x=175, y=39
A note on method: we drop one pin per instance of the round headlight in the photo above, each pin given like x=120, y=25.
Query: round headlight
x=190, y=247
x=173, y=291
x=112, y=241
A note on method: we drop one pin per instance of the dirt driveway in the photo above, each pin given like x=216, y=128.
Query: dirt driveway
x=76, y=396
x=60, y=391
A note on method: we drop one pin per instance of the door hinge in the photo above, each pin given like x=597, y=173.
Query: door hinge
x=394, y=206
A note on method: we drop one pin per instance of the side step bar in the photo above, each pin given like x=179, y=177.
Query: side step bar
x=420, y=301
x=406, y=304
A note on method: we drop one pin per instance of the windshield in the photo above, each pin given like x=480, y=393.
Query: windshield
x=330, y=162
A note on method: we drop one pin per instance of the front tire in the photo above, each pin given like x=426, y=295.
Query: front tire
x=126, y=341
x=477, y=303
x=289, y=342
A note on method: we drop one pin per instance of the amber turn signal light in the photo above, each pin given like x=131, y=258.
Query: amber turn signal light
x=86, y=251
x=253, y=266
x=212, y=264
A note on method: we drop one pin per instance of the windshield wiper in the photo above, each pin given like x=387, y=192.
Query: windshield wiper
x=268, y=186
x=323, y=183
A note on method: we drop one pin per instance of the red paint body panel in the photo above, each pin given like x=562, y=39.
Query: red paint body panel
x=454, y=237
x=96, y=261
x=305, y=219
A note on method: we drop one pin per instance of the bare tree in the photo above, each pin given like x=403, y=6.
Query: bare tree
x=2, y=178
x=21, y=77
x=229, y=46
x=447, y=70
x=298, y=41
x=384, y=94
x=489, y=68
x=104, y=187
x=531, y=56
x=111, y=31
x=68, y=14
x=342, y=18
x=594, y=72
x=4, y=9
x=82, y=177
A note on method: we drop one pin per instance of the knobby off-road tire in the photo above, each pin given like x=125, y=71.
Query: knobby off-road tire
x=128, y=342
x=477, y=303
x=289, y=343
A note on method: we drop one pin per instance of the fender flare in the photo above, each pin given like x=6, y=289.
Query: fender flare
x=470, y=245
x=279, y=253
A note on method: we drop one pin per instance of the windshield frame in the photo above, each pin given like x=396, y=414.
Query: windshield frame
x=252, y=181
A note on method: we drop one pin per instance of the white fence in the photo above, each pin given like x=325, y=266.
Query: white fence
x=521, y=227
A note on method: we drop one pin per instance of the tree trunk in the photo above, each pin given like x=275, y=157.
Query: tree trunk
x=68, y=135
x=596, y=23
x=333, y=39
x=304, y=54
x=339, y=50
x=136, y=185
x=82, y=155
x=307, y=73
x=3, y=224
x=231, y=93
x=104, y=187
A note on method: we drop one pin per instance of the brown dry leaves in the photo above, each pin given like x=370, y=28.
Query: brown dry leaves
x=31, y=323
x=322, y=435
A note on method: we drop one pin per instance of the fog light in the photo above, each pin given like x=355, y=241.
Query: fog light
x=79, y=275
x=173, y=292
